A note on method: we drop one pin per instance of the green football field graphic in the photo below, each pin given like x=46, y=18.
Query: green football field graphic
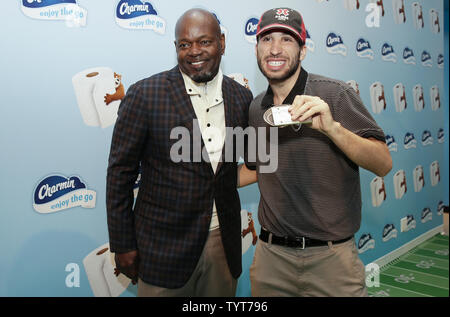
x=421, y=272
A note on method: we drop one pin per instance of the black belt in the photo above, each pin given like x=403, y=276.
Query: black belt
x=297, y=242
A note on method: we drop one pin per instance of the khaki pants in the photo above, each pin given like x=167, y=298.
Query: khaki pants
x=333, y=270
x=211, y=276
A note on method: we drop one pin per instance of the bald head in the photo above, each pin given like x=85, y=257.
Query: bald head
x=199, y=44
x=197, y=17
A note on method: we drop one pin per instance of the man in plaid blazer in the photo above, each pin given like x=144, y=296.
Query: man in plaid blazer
x=166, y=241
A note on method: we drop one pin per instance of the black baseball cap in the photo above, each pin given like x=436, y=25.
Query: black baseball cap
x=286, y=19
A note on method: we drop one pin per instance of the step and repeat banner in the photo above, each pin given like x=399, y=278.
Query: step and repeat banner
x=66, y=65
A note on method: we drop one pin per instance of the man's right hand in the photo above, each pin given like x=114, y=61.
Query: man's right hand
x=128, y=264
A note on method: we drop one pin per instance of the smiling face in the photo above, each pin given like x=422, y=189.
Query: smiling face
x=199, y=45
x=279, y=55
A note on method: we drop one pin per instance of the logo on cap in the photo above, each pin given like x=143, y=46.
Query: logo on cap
x=282, y=14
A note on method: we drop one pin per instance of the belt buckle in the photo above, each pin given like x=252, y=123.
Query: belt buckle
x=302, y=241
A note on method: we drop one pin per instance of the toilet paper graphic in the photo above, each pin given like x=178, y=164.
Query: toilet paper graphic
x=380, y=4
x=250, y=30
x=335, y=45
x=248, y=231
x=391, y=144
x=57, y=192
x=409, y=141
x=435, y=99
x=354, y=85
x=377, y=97
x=441, y=136
x=389, y=232
x=364, y=50
x=440, y=61
x=398, y=7
x=99, y=266
x=427, y=138
x=98, y=91
x=378, y=191
x=240, y=79
x=419, y=101
x=426, y=59
x=400, y=184
x=434, y=19
x=309, y=43
x=139, y=15
x=417, y=15
x=408, y=56
x=426, y=215
x=435, y=175
x=351, y=4
x=399, y=97
x=419, y=179
x=388, y=54
x=55, y=10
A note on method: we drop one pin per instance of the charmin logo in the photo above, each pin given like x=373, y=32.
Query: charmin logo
x=440, y=61
x=335, y=45
x=390, y=142
x=139, y=15
x=55, y=193
x=389, y=232
x=54, y=10
x=250, y=30
x=427, y=215
x=410, y=222
x=365, y=243
x=310, y=45
x=388, y=54
x=440, y=208
x=408, y=56
x=441, y=136
x=427, y=139
x=364, y=50
x=410, y=141
x=426, y=59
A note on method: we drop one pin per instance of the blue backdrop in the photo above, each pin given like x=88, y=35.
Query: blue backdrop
x=60, y=59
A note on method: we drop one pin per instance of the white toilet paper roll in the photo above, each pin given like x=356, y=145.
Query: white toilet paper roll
x=107, y=114
x=99, y=266
x=88, y=94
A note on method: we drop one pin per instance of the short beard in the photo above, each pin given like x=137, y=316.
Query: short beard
x=204, y=78
x=290, y=72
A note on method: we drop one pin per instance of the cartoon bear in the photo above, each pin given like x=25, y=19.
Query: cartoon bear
x=120, y=90
x=250, y=228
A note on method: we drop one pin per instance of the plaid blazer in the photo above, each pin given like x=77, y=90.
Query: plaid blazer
x=169, y=223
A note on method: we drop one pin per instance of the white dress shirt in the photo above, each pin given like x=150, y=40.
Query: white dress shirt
x=208, y=105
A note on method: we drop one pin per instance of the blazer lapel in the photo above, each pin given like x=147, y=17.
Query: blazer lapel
x=228, y=107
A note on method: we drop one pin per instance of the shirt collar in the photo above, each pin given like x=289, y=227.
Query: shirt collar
x=214, y=85
x=298, y=89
